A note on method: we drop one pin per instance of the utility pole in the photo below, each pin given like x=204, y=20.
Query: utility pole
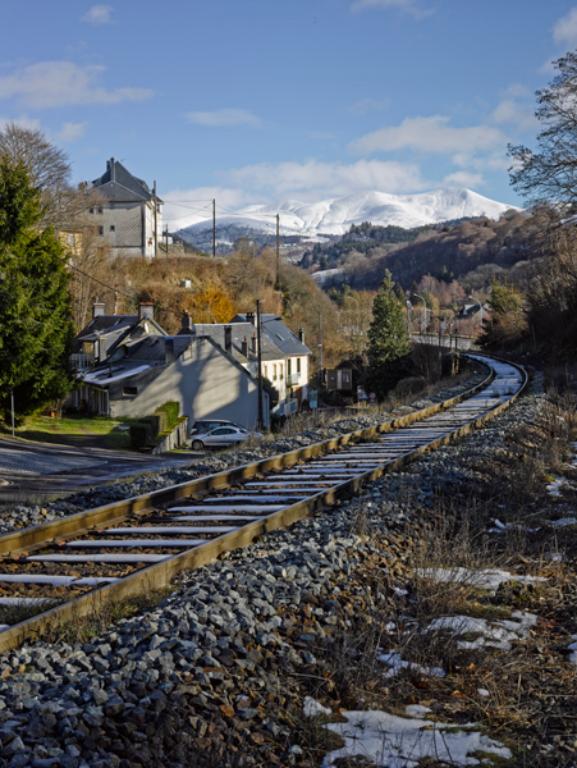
x=321, y=352
x=165, y=233
x=213, y=227
x=12, y=413
x=260, y=419
x=154, y=202
x=277, y=286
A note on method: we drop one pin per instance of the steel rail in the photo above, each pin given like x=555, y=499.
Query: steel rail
x=306, y=480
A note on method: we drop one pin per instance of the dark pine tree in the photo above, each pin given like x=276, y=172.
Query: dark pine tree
x=35, y=319
x=389, y=342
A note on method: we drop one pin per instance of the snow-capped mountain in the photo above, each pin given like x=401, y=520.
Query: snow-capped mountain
x=335, y=216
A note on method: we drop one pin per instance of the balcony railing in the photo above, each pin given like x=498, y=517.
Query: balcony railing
x=80, y=361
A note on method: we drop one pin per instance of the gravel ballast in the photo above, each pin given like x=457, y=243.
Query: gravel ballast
x=205, y=678
x=26, y=514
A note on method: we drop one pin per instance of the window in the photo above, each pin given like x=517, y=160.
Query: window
x=113, y=228
x=288, y=366
x=91, y=210
x=281, y=372
x=129, y=391
x=224, y=431
x=298, y=365
x=99, y=209
x=274, y=372
x=100, y=230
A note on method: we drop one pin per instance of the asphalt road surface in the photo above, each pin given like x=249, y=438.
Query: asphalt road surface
x=30, y=469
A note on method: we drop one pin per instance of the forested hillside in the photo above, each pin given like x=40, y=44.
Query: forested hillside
x=474, y=251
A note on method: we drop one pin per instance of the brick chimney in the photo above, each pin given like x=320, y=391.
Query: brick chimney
x=146, y=310
x=253, y=345
x=98, y=309
x=302, y=335
x=186, y=323
x=244, y=347
x=227, y=338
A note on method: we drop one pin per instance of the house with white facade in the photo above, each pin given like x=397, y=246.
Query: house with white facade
x=285, y=358
x=126, y=214
x=140, y=376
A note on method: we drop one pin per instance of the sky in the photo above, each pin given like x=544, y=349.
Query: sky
x=270, y=100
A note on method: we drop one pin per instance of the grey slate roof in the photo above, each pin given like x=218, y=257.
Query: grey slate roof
x=277, y=333
x=146, y=358
x=239, y=332
x=105, y=324
x=118, y=185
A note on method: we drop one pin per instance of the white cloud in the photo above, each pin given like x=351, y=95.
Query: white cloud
x=61, y=83
x=565, y=29
x=432, y=134
x=408, y=6
x=71, y=131
x=221, y=118
x=313, y=179
x=29, y=123
x=98, y=15
x=510, y=111
x=463, y=179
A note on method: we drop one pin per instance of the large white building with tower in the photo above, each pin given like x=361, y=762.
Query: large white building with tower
x=126, y=214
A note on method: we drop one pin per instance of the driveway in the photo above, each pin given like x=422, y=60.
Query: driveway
x=30, y=469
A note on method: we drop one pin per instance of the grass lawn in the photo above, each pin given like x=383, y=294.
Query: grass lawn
x=77, y=430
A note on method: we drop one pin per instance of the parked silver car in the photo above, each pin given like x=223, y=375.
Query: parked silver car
x=221, y=437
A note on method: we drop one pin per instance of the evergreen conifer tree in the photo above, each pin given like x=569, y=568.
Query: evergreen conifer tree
x=35, y=319
x=389, y=340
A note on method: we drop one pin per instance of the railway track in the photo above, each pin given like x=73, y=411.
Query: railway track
x=74, y=566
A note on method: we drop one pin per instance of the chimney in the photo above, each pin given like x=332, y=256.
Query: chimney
x=98, y=309
x=244, y=347
x=186, y=323
x=112, y=168
x=146, y=310
x=302, y=335
x=169, y=356
x=253, y=345
x=251, y=318
x=227, y=338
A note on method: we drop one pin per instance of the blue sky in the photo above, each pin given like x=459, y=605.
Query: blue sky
x=263, y=100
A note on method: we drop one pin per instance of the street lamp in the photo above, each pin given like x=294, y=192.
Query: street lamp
x=425, y=309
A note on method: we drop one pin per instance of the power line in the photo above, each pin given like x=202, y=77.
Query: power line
x=100, y=282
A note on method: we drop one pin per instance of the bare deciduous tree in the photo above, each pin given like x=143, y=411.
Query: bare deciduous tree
x=49, y=170
x=550, y=172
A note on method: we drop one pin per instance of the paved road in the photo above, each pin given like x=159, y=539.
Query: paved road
x=34, y=469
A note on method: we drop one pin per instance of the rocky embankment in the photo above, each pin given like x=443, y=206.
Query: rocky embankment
x=215, y=674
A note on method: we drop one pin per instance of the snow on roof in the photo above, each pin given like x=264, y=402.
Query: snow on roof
x=109, y=375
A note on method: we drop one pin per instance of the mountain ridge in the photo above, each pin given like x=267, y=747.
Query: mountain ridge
x=335, y=216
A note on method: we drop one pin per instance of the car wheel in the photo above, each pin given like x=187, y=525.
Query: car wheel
x=197, y=445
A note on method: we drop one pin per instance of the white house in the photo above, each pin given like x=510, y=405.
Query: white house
x=285, y=358
x=127, y=215
x=140, y=376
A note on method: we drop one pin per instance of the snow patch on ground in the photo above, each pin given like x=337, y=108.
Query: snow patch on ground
x=489, y=579
x=499, y=633
x=391, y=741
x=500, y=527
x=396, y=664
x=313, y=708
x=554, y=488
x=563, y=522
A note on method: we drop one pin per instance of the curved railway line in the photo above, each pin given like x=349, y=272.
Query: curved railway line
x=72, y=567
